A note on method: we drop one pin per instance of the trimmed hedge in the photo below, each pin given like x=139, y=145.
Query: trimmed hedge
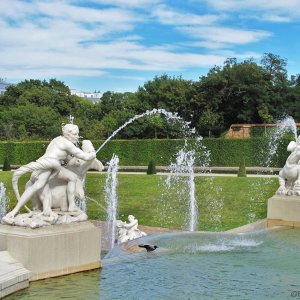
x=224, y=152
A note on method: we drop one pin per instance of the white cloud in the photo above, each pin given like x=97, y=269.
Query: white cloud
x=95, y=59
x=169, y=16
x=15, y=9
x=213, y=37
x=85, y=14
x=122, y=3
x=49, y=73
x=269, y=10
x=276, y=18
x=266, y=17
x=286, y=5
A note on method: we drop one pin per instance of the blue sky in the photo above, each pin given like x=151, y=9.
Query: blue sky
x=118, y=45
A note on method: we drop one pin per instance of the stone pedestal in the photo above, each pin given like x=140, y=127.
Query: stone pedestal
x=13, y=276
x=53, y=250
x=283, y=211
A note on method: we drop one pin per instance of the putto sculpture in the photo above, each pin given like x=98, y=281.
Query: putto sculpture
x=128, y=231
x=56, y=180
x=289, y=176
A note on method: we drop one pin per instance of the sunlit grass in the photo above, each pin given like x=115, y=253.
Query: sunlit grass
x=223, y=202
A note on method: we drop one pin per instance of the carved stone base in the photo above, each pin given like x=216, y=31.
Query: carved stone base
x=53, y=250
x=283, y=211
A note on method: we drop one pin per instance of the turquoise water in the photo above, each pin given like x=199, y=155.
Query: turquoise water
x=260, y=265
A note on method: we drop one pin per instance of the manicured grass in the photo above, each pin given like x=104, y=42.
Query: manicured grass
x=223, y=202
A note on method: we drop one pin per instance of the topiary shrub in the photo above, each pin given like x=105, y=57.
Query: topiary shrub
x=242, y=169
x=6, y=164
x=151, y=168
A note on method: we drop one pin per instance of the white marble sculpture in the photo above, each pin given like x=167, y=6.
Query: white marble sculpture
x=128, y=231
x=289, y=176
x=53, y=187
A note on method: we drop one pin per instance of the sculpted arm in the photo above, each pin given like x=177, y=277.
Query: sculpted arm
x=72, y=149
x=131, y=224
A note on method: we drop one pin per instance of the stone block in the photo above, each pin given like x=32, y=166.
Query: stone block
x=13, y=276
x=283, y=211
x=54, y=250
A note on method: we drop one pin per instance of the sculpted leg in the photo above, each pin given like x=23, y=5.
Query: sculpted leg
x=28, y=193
x=71, y=187
x=46, y=199
x=297, y=184
x=282, y=185
x=71, y=179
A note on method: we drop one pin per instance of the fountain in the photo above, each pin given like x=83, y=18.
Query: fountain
x=168, y=115
x=55, y=191
x=111, y=200
x=182, y=174
x=186, y=265
x=186, y=159
x=283, y=126
x=3, y=201
x=180, y=183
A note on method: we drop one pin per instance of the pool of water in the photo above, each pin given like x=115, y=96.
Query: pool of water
x=258, y=265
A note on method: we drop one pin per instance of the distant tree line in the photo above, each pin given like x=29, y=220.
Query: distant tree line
x=236, y=92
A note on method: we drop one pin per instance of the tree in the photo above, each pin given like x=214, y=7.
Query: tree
x=264, y=114
x=274, y=67
x=209, y=121
x=30, y=121
x=169, y=93
x=157, y=123
x=233, y=91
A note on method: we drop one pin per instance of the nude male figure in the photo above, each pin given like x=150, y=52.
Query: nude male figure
x=50, y=165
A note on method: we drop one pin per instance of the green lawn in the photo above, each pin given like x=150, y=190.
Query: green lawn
x=223, y=202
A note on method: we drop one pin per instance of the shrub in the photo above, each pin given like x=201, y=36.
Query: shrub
x=6, y=164
x=151, y=168
x=242, y=169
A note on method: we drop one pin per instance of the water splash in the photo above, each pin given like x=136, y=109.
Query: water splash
x=111, y=198
x=71, y=119
x=223, y=245
x=3, y=201
x=186, y=158
x=81, y=204
x=283, y=126
x=182, y=178
x=168, y=115
x=215, y=204
x=89, y=199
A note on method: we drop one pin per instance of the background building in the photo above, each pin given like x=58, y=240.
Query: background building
x=94, y=97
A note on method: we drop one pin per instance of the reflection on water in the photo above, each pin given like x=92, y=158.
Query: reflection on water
x=261, y=265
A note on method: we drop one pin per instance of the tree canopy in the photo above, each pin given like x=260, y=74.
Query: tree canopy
x=235, y=92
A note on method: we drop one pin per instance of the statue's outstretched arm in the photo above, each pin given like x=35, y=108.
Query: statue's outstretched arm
x=72, y=149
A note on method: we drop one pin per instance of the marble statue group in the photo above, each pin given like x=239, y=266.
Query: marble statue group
x=56, y=181
x=128, y=231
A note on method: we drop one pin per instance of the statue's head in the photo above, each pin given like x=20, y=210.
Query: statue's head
x=131, y=218
x=71, y=133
